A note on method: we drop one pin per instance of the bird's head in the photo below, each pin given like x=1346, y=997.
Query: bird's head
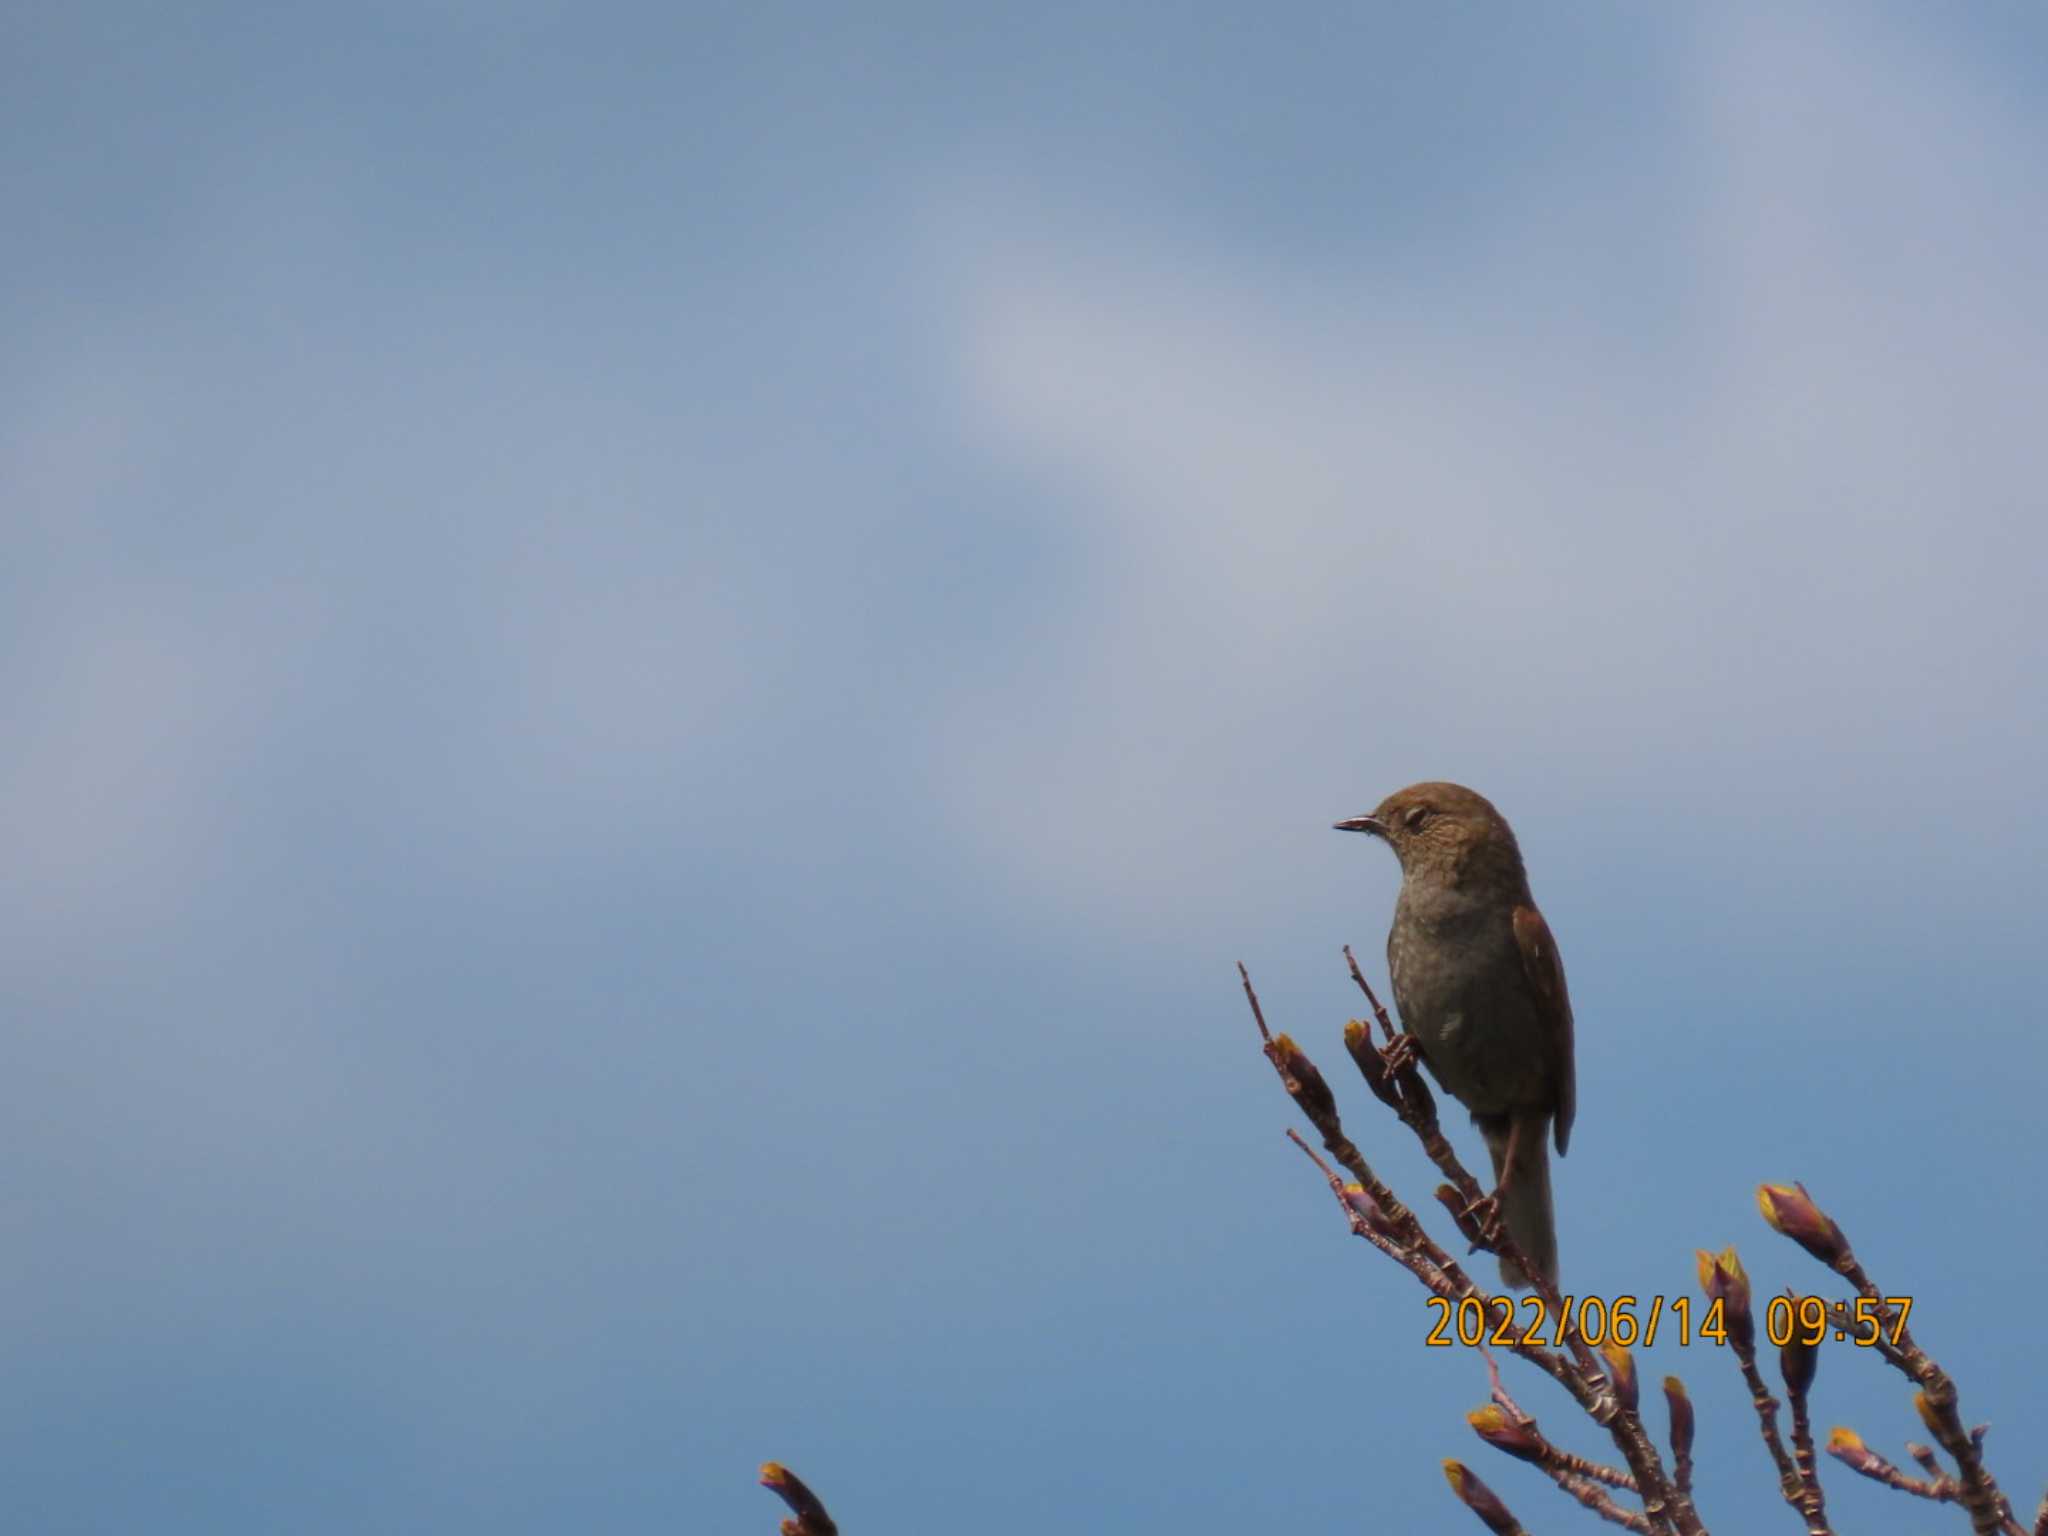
x=1438, y=825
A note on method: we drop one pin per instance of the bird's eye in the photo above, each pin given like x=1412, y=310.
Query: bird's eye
x=1417, y=817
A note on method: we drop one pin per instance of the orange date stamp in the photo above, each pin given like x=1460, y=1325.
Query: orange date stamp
x=1629, y=1320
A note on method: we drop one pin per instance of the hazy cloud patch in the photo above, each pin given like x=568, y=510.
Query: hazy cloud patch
x=1348, y=532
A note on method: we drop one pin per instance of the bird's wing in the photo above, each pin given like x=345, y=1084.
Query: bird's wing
x=1540, y=963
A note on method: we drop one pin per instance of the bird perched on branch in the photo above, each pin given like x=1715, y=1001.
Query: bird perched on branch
x=1481, y=991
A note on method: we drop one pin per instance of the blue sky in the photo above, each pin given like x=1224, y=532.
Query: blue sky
x=660, y=657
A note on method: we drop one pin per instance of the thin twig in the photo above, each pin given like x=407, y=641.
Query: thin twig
x=1847, y=1447
x=1791, y=1211
x=1379, y=1009
x=1789, y=1483
x=1597, y=1499
x=1812, y=1503
x=1548, y=1454
x=1503, y=1425
x=1362, y=1225
x=1311, y=1094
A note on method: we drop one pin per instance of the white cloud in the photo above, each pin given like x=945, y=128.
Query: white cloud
x=1344, y=535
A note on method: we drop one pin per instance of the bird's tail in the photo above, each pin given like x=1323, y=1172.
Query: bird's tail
x=1525, y=1204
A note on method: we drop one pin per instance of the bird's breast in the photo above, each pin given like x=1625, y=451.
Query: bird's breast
x=1458, y=982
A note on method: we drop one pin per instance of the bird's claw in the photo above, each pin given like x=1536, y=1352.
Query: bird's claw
x=1484, y=1214
x=1399, y=1054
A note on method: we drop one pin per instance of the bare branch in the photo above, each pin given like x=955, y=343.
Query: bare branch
x=1847, y=1447
x=1404, y=1239
x=1792, y=1212
x=1797, y=1362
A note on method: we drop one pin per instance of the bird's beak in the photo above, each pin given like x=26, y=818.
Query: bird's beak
x=1370, y=824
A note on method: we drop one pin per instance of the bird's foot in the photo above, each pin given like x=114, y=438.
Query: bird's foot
x=1399, y=1054
x=1484, y=1215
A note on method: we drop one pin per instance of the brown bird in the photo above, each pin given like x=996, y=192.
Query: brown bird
x=1481, y=991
